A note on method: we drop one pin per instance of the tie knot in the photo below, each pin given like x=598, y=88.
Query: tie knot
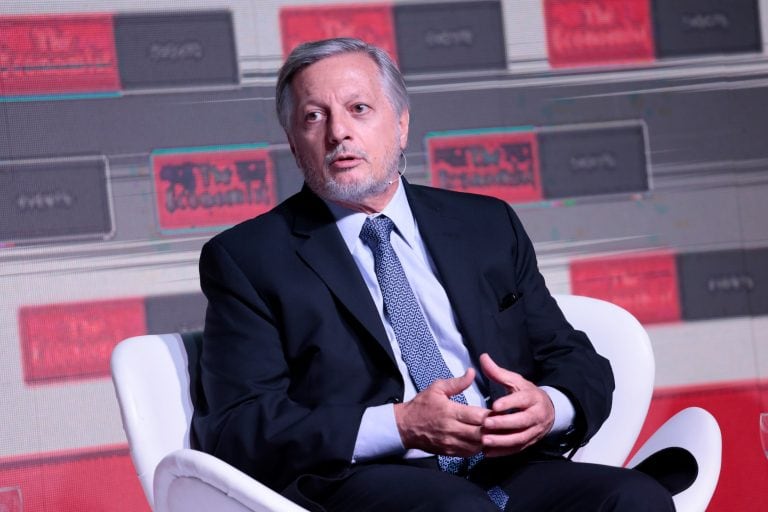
x=376, y=230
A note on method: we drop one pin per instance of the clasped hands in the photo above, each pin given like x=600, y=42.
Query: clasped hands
x=432, y=422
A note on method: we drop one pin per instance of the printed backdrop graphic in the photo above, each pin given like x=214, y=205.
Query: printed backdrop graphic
x=63, y=341
x=595, y=32
x=645, y=285
x=211, y=187
x=55, y=199
x=626, y=134
x=525, y=164
x=176, y=49
x=370, y=22
x=504, y=164
x=51, y=54
x=450, y=37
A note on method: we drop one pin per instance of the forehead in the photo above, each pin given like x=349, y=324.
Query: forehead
x=347, y=74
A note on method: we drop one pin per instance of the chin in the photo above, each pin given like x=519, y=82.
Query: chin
x=353, y=190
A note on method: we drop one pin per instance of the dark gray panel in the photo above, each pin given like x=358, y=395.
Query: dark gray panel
x=176, y=49
x=54, y=199
x=451, y=110
x=714, y=284
x=593, y=161
x=175, y=313
x=5, y=130
x=702, y=27
x=289, y=177
x=139, y=123
x=756, y=262
x=691, y=219
x=451, y=36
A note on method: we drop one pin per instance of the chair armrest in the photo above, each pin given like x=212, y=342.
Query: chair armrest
x=696, y=431
x=190, y=480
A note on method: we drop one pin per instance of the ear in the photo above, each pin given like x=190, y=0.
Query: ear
x=404, y=120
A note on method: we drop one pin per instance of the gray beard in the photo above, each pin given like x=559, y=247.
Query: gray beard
x=331, y=190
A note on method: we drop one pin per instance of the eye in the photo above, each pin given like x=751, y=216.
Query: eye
x=313, y=117
x=360, y=108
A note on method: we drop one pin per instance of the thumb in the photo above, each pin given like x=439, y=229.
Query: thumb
x=496, y=373
x=491, y=369
x=455, y=385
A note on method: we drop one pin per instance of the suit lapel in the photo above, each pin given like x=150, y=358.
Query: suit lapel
x=323, y=249
x=445, y=236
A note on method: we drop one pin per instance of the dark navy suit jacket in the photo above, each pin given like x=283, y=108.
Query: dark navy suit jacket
x=294, y=350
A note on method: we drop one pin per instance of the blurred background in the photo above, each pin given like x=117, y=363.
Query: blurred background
x=630, y=136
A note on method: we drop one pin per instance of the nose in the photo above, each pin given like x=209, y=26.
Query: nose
x=338, y=130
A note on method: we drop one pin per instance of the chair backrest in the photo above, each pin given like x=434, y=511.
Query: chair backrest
x=619, y=337
x=151, y=378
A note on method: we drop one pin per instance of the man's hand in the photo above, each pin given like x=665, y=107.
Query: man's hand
x=432, y=422
x=505, y=433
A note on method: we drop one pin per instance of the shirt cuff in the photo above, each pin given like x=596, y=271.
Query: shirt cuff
x=378, y=435
x=564, y=410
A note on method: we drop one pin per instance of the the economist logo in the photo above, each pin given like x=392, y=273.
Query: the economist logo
x=503, y=164
x=204, y=188
x=57, y=54
x=598, y=32
x=75, y=340
x=370, y=22
x=645, y=284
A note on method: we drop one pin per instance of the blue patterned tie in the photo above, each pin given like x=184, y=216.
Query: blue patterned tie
x=418, y=348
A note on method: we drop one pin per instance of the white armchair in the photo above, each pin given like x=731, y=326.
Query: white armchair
x=152, y=375
x=618, y=336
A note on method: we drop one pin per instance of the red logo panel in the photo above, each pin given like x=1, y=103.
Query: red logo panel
x=371, y=22
x=594, y=32
x=57, y=54
x=99, y=478
x=65, y=341
x=736, y=405
x=499, y=164
x=644, y=285
x=212, y=188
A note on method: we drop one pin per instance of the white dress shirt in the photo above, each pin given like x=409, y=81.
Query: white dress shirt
x=378, y=434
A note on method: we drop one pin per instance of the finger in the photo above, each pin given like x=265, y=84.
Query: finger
x=495, y=445
x=455, y=385
x=469, y=414
x=491, y=369
x=508, y=422
x=519, y=400
x=509, y=379
x=467, y=434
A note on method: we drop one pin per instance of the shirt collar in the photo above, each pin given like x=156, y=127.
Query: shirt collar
x=350, y=222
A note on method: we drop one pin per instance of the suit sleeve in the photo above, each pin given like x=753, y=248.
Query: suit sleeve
x=250, y=419
x=565, y=358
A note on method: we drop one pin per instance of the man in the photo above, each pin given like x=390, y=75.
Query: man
x=375, y=345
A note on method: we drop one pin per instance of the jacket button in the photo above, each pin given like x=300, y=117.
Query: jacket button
x=394, y=400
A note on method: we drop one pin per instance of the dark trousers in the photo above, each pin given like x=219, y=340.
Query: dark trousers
x=543, y=484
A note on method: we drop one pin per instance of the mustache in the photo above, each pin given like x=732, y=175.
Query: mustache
x=341, y=149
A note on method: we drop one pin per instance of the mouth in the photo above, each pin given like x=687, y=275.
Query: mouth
x=345, y=161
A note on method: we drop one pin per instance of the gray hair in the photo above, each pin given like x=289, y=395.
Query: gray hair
x=307, y=54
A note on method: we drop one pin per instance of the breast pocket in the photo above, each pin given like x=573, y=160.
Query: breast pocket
x=511, y=311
